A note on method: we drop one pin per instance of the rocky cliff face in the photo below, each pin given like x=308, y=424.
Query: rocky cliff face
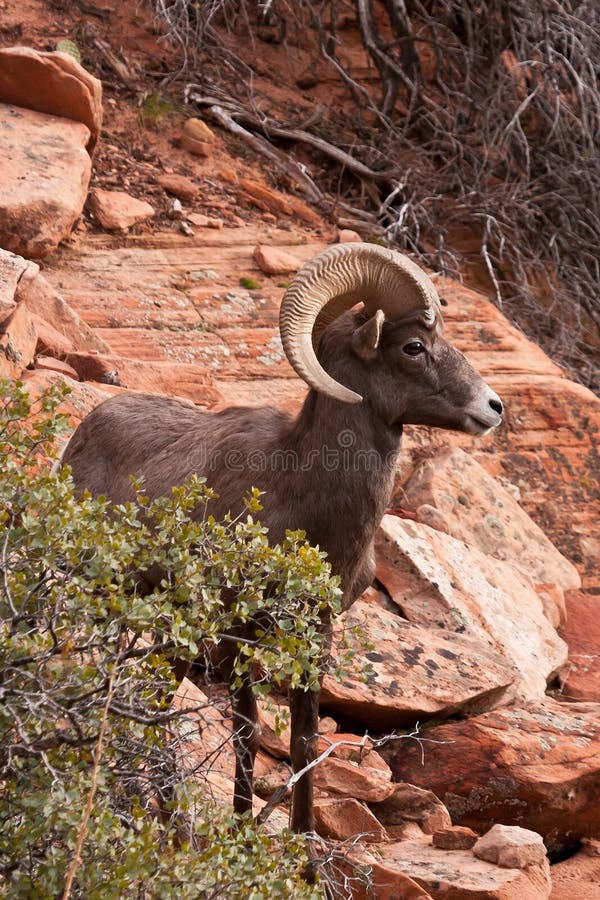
x=484, y=617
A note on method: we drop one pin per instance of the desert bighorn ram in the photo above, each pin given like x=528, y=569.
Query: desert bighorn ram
x=371, y=370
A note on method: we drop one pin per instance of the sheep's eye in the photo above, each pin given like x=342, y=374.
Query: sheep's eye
x=413, y=348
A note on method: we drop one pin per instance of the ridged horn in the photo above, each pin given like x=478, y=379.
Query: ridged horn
x=334, y=281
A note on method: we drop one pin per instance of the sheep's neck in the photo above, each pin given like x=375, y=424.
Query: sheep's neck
x=347, y=459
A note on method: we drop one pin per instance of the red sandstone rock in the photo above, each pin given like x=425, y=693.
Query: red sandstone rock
x=50, y=341
x=17, y=342
x=438, y=580
x=12, y=268
x=417, y=672
x=455, y=837
x=537, y=767
x=409, y=803
x=511, y=847
x=580, y=678
x=203, y=221
x=179, y=185
x=44, y=178
x=52, y=83
x=41, y=299
x=204, y=748
x=349, y=779
x=346, y=818
x=327, y=725
x=275, y=261
x=117, y=210
x=347, y=236
x=56, y=365
x=453, y=875
x=577, y=878
x=82, y=399
x=479, y=511
x=176, y=379
x=197, y=137
x=204, y=732
x=264, y=197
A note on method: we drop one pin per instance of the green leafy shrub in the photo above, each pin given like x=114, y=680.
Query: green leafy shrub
x=154, y=109
x=251, y=284
x=70, y=47
x=92, y=801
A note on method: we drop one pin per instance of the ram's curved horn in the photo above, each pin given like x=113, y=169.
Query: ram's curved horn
x=334, y=281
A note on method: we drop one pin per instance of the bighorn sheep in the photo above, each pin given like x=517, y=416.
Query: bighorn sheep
x=375, y=369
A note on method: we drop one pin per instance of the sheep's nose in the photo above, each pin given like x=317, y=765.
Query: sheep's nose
x=496, y=405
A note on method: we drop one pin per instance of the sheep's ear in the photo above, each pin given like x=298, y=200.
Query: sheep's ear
x=365, y=339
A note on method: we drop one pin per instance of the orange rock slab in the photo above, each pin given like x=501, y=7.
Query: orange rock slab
x=536, y=766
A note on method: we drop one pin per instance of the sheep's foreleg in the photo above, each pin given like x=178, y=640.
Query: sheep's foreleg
x=246, y=739
x=304, y=709
x=246, y=730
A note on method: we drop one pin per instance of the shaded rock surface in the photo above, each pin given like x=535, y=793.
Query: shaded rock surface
x=44, y=178
x=438, y=581
x=409, y=803
x=536, y=767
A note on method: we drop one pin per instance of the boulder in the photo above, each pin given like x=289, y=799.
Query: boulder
x=17, y=343
x=439, y=581
x=44, y=179
x=454, y=837
x=42, y=300
x=52, y=83
x=202, y=221
x=415, y=672
x=179, y=185
x=274, y=260
x=347, y=236
x=117, y=210
x=346, y=778
x=50, y=341
x=536, y=767
x=448, y=875
x=409, y=803
x=81, y=401
x=197, y=137
x=12, y=268
x=56, y=365
x=344, y=817
x=511, y=847
x=478, y=510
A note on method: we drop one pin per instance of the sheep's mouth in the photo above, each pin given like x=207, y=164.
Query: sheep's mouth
x=479, y=426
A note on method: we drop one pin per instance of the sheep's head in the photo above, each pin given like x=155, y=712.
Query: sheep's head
x=398, y=360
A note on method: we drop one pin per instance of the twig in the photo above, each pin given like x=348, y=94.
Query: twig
x=365, y=741
x=89, y=806
x=292, y=169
